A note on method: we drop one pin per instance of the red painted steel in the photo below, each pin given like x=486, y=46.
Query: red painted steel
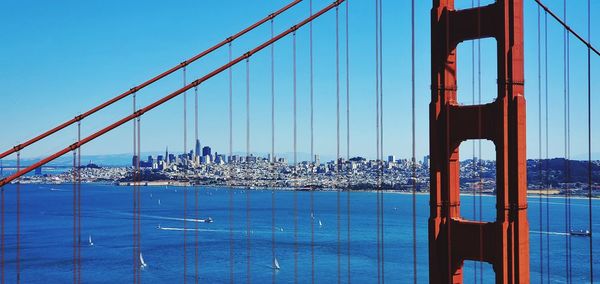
x=165, y=99
x=452, y=239
x=147, y=83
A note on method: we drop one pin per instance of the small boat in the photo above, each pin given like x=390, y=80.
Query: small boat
x=312, y=215
x=142, y=262
x=583, y=233
x=90, y=242
x=158, y=227
x=208, y=220
x=276, y=264
x=159, y=202
x=320, y=224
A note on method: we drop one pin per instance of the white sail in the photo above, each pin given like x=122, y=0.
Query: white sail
x=276, y=264
x=159, y=202
x=142, y=262
x=320, y=224
x=91, y=243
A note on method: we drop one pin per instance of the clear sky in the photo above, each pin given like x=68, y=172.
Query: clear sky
x=60, y=58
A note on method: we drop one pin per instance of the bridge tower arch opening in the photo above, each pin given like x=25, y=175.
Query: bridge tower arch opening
x=504, y=243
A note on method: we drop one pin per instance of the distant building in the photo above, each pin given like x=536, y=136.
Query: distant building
x=317, y=160
x=206, y=151
x=198, y=149
x=135, y=161
x=426, y=161
x=391, y=158
x=38, y=171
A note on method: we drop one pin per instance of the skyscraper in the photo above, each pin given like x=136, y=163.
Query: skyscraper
x=206, y=151
x=167, y=156
x=197, y=148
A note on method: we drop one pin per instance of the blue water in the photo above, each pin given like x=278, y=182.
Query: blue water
x=106, y=215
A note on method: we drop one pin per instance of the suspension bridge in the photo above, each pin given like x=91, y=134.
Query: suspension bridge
x=459, y=240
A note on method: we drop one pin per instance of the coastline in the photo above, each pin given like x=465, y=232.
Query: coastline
x=536, y=193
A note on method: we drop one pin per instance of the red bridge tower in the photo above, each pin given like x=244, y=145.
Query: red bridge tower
x=452, y=239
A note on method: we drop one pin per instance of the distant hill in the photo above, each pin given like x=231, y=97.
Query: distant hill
x=559, y=170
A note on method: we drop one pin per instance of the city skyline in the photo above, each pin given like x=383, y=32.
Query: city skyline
x=98, y=71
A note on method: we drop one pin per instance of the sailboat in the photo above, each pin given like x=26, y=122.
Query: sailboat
x=320, y=224
x=90, y=242
x=276, y=264
x=159, y=202
x=142, y=263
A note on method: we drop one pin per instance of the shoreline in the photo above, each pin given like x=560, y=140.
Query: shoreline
x=308, y=189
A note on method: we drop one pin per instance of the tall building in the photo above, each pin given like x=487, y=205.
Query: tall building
x=167, y=157
x=391, y=158
x=206, y=151
x=135, y=161
x=198, y=149
x=426, y=161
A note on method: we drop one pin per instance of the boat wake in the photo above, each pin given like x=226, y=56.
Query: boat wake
x=550, y=233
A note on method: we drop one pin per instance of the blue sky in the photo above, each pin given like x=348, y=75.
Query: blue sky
x=60, y=58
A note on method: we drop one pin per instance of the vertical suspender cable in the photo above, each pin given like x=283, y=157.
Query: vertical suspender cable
x=473, y=189
x=18, y=258
x=137, y=196
x=138, y=200
x=539, y=163
x=2, y=240
x=337, y=156
x=348, y=184
x=381, y=208
x=230, y=175
x=74, y=201
x=480, y=184
x=133, y=179
x=196, y=188
x=377, y=159
x=184, y=189
x=589, y=86
x=413, y=127
x=272, y=161
x=79, y=204
x=295, y=175
x=248, y=232
x=312, y=148
x=546, y=176
x=566, y=144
